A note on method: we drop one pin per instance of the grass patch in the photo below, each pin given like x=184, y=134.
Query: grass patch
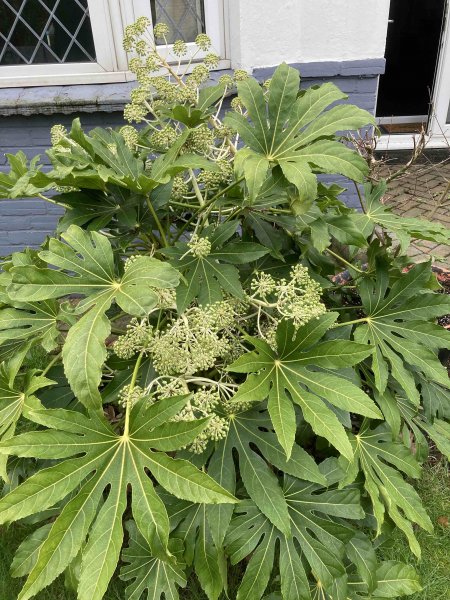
x=434, y=568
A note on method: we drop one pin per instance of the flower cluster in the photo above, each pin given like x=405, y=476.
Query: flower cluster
x=130, y=136
x=180, y=188
x=201, y=406
x=158, y=80
x=213, y=179
x=57, y=134
x=129, y=396
x=137, y=338
x=162, y=139
x=200, y=140
x=200, y=247
x=298, y=298
x=194, y=341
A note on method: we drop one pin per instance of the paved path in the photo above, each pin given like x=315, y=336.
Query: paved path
x=425, y=193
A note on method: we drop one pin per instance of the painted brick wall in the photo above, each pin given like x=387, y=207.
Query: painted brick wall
x=27, y=222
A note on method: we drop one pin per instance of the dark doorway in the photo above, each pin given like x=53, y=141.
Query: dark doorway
x=412, y=52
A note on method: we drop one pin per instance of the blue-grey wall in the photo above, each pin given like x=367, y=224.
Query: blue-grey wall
x=26, y=116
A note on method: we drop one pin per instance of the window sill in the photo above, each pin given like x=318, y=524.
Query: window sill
x=110, y=94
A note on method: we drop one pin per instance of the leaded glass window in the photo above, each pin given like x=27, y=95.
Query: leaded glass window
x=45, y=31
x=186, y=18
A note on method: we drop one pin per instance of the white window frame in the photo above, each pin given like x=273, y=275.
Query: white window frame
x=108, y=21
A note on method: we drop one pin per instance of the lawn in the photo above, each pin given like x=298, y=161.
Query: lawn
x=434, y=488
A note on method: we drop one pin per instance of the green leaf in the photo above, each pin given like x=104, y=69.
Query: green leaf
x=106, y=464
x=17, y=183
x=317, y=546
x=16, y=398
x=189, y=523
x=209, y=95
x=84, y=353
x=376, y=455
x=208, y=277
x=396, y=579
x=289, y=374
x=160, y=577
x=397, y=324
x=287, y=130
x=27, y=553
x=34, y=320
x=248, y=431
x=405, y=228
x=86, y=266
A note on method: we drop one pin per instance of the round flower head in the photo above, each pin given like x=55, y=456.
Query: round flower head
x=57, y=134
x=203, y=41
x=164, y=138
x=199, y=75
x=160, y=30
x=200, y=247
x=130, y=135
x=141, y=25
x=141, y=47
x=135, y=113
x=179, y=188
x=236, y=104
x=226, y=80
x=240, y=75
x=180, y=48
x=211, y=60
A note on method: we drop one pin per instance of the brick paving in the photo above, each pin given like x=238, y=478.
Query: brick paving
x=423, y=192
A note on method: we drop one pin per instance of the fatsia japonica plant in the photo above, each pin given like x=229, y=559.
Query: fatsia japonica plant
x=189, y=384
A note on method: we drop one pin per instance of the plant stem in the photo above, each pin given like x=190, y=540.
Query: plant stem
x=126, y=430
x=358, y=191
x=364, y=320
x=51, y=364
x=197, y=191
x=42, y=197
x=222, y=192
x=158, y=222
x=343, y=261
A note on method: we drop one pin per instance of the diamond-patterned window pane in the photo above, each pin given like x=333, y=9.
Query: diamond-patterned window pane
x=45, y=31
x=186, y=18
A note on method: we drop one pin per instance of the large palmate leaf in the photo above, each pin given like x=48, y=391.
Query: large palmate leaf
x=416, y=426
x=157, y=577
x=376, y=455
x=16, y=398
x=291, y=130
x=291, y=374
x=208, y=276
x=251, y=435
x=100, y=461
x=103, y=159
x=85, y=265
x=395, y=579
x=397, y=324
x=16, y=183
x=315, y=551
x=405, y=228
x=190, y=525
x=31, y=320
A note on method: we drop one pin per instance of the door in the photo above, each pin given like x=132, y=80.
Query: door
x=412, y=53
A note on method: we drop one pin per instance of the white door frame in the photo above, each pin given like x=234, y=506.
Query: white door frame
x=441, y=97
x=438, y=128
